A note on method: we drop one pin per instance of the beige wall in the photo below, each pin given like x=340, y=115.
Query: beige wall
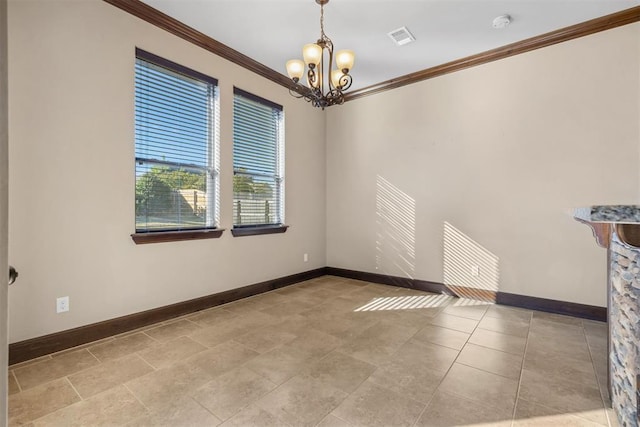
x=501, y=152
x=71, y=66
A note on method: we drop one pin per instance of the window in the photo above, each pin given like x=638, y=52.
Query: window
x=258, y=153
x=176, y=148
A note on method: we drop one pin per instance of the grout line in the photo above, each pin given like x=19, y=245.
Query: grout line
x=74, y=389
x=524, y=357
x=13, y=374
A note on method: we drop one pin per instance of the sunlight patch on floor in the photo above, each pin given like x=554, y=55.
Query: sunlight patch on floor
x=405, y=302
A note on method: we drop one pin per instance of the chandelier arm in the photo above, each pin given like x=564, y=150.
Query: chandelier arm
x=345, y=82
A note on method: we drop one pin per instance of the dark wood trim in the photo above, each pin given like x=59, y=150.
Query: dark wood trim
x=256, y=98
x=403, y=282
x=173, y=66
x=584, y=311
x=256, y=231
x=522, y=301
x=176, y=236
x=604, y=23
x=175, y=27
x=40, y=346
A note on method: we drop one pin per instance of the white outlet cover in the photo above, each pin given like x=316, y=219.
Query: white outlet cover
x=62, y=304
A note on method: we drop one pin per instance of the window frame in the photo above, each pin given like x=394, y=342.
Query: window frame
x=212, y=171
x=239, y=230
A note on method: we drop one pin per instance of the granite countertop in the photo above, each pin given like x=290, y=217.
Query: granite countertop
x=624, y=214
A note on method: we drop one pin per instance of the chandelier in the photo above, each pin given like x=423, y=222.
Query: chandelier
x=324, y=87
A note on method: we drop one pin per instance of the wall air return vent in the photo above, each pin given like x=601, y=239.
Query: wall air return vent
x=401, y=36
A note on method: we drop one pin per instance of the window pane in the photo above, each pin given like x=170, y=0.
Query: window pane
x=255, y=200
x=170, y=198
x=257, y=149
x=174, y=146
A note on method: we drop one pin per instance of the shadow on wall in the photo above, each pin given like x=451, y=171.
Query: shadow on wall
x=470, y=270
x=396, y=227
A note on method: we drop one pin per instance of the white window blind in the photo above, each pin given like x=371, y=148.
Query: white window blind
x=258, y=166
x=176, y=128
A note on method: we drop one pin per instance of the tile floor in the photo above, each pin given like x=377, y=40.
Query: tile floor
x=329, y=352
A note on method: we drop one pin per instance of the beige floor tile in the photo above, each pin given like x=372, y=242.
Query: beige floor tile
x=314, y=344
x=159, y=389
x=253, y=416
x=484, y=387
x=243, y=306
x=547, y=328
x=415, y=318
x=456, y=323
x=225, y=331
x=40, y=401
x=442, y=336
x=498, y=341
x=183, y=412
x=269, y=299
x=408, y=378
x=265, y=339
x=372, y=405
x=171, y=352
x=113, y=407
x=377, y=343
x=564, y=395
x=509, y=313
x=122, y=346
x=533, y=414
x=595, y=329
x=211, y=317
x=289, y=308
x=490, y=360
x=12, y=384
x=222, y=358
x=50, y=369
x=432, y=356
x=519, y=328
x=344, y=325
x=447, y=409
x=172, y=330
x=229, y=393
x=475, y=310
x=339, y=371
x=333, y=421
x=557, y=318
x=302, y=402
x=581, y=371
x=545, y=346
x=279, y=364
x=108, y=375
x=415, y=370
x=30, y=362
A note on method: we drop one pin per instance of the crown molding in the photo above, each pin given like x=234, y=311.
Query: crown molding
x=175, y=27
x=618, y=19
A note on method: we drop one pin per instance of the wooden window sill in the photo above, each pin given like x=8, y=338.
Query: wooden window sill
x=254, y=231
x=176, y=236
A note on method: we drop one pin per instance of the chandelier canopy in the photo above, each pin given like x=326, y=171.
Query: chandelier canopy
x=324, y=87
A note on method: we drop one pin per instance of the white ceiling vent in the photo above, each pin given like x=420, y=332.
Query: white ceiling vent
x=401, y=36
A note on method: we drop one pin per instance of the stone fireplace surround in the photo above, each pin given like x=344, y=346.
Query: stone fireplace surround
x=617, y=228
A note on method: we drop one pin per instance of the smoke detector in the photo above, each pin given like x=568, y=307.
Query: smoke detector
x=401, y=36
x=502, y=21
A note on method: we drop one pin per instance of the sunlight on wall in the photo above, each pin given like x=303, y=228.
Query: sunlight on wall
x=395, y=230
x=405, y=302
x=470, y=270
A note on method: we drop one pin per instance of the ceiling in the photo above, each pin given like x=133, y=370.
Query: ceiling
x=273, y=31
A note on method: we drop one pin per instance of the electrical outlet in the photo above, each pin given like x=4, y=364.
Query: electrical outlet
x=62, y=304
x=475, y=270
x=305, y=257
